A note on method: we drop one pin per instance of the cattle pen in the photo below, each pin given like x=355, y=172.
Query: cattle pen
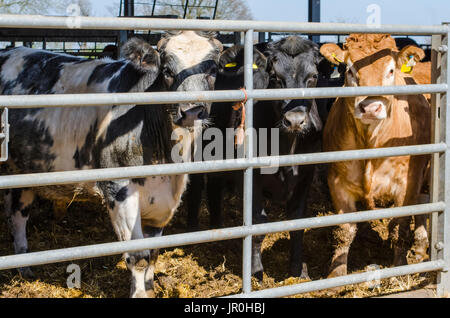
x=438, y=208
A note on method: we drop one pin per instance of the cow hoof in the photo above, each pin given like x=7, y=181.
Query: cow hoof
x=341, y=270
x=26, y=273
x=259, y=276
x=139, y=294
x=301, y=273
x=419, y=249
x=419, y=253
x=151, y=294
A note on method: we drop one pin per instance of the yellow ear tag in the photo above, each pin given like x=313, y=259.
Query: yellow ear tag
x=255, y=67
x=336, y=58
x=409, y=65
x=234, y=64
x=406, y=69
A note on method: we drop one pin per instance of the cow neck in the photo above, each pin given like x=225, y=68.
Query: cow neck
x=370, y=135
x=158, y=126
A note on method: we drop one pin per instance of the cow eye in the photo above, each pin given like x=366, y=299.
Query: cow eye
x=391, y=72
x=167, y=73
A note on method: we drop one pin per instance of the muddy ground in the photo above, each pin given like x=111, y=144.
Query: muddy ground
x=204, y=270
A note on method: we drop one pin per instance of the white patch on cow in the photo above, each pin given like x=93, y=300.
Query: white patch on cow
x=14, y=67
x=389, y=74
x=69, y=128
x=19, y=222
x=125, y=215
x=160, y=197
x=189, y=47
x=351, y=74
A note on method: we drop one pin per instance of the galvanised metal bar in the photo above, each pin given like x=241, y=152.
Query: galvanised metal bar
x=248, y=173
x=345, y=280
x=106, y=23
x=84, y=100
x=79, y=176
x=443, y=286
x=115, y=248
x=435, y=138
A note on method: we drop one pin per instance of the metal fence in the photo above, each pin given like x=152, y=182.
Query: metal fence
x=439, y=207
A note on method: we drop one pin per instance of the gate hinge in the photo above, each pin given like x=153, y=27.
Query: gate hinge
x=4, y=134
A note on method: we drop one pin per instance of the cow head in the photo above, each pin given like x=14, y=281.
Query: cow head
x=372, y=60
x=231, y=67
x=293, y=63
x=189, y=63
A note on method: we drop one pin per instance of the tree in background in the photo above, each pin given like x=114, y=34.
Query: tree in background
x=32, y=6
x=226, y=10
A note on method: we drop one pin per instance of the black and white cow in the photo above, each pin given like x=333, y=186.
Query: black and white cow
x=62, y=139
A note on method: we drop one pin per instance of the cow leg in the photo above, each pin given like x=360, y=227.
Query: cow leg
x=194, y=199
x=215, y=189
x=399, y=233
x=150, y=272
x=259, y=216
x=421, y=242
x=17, y=202
x=343, y=234
x=124, y=210
x=296, y=208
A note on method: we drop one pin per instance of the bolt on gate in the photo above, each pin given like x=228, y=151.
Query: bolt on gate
x=439, y=208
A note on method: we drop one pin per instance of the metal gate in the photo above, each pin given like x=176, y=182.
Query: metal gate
x=439, y=207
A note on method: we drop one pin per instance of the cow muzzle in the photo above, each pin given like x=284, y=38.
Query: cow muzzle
x=296, y=119
x=371, y=109
x=189, y=114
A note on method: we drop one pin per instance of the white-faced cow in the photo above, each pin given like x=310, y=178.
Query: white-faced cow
x=374, y=122
x=61, y=139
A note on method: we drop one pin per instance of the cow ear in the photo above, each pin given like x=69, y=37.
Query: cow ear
x=333, y=53
x=141, y=54
x=260, y=60
x=228, y=57
x=410, y=52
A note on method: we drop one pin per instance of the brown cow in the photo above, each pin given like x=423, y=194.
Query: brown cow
x=374, y=122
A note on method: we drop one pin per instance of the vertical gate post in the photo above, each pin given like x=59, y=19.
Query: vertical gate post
x=248, y=173
x=435, y=138
x=443, y=279
x=4, y=134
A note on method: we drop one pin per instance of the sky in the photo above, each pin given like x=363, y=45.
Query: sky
x=427, y=12
x=412, y=12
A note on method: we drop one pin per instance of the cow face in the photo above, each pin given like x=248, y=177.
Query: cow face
x=372, y=60
x=293, y=63
x=189, y=63
x=231, y=69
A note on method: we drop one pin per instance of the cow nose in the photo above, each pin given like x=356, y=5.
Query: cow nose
x=190, y=115
x=294, y=119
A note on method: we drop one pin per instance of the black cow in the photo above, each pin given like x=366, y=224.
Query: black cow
x=61, y=139
x=223, y=116
x=292, y=63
